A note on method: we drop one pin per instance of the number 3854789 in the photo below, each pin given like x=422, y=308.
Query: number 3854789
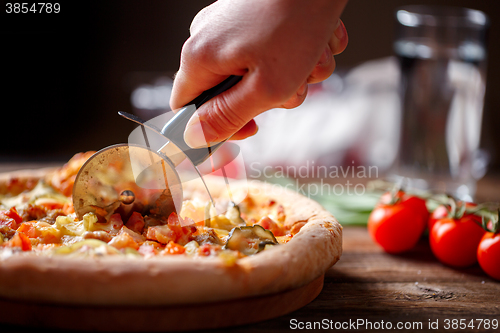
x=36, y=7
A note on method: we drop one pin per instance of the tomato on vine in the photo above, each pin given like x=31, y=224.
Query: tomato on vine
x=442, y=212
x=488, y=251
x=488, y=254
x=398, y=221
x=454, y=237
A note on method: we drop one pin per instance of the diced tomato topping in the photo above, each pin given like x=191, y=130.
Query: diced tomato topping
x=19, y=240
x=124, y=240
x=135, y=222
x=50, y=205
x=149, y=248
x=208, y=249
x=116, y=221
x=204, y=250
x=33, y=230
x=68, y=208
x=182, y=233
x=10, y=218
x=174, y=248
x=12, y=213
x=28, y=228
x=269, y=224
x=161, y=233
x=189, y=221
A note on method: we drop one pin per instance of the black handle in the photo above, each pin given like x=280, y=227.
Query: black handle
x=174, y=129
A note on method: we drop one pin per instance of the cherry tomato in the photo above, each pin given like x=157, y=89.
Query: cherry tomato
x=454, y=241
x=398, y=227
x=441, y=212
x=488, y=254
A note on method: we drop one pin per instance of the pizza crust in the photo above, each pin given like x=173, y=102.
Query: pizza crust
x=179, y=280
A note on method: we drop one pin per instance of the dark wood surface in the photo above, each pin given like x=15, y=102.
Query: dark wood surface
x=368, y=284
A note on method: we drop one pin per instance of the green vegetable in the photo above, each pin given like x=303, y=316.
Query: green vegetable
x=250, y=239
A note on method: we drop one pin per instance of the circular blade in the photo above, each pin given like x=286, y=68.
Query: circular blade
x=126, y=178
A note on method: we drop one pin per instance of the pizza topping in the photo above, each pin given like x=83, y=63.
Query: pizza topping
x=42, y=220
x=250, y=239
x=228, y=258
x=64, y=178
x=267, y=223
x=161, y=233
x=135, y=222
x=52, y=215
x=88, y=247
x=229, y=220
x=207, y=235
x=124, y=240
x=10, y=218
x=191, y=248
x=38, y=195
x=19, y=240
x=100, y=235
x=208, y=249
x=173, y=248
x=6, y=232
x=195, y=210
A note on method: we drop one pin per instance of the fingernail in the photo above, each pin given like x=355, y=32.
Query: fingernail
x=256, y=130
x=337, y=24
x=340, y=30
x=196, y=135
x=302, y=90
x=326, y=57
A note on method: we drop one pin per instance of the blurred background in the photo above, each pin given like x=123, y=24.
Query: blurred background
x=65, y=76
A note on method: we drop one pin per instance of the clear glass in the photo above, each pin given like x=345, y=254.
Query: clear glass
x=442, y=53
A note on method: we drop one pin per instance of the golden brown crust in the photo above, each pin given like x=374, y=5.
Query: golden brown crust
x=181, y=280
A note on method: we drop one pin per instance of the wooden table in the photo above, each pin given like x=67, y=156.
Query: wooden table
x=413, y=289
x=368, y=284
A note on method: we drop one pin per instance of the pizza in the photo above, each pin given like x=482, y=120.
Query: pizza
x=270, y=242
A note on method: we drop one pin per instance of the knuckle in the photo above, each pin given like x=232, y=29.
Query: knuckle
x=223, y=118
x=295, y=101
x=321, y=73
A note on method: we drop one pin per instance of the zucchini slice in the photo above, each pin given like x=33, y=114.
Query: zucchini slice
x=250, y=240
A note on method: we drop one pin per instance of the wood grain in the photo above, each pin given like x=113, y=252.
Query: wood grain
x=372, y=285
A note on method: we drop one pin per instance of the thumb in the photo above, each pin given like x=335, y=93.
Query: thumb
x=224, y=115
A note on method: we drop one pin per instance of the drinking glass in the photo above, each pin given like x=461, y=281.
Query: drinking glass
x=442, y=54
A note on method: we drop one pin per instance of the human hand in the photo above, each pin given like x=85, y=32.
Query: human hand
x=278, y=46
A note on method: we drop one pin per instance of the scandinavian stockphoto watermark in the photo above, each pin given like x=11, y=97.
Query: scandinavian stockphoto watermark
x=312, y=180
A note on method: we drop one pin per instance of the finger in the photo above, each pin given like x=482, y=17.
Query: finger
x=324, y=68
x=246, y=131
x=326, y=64
x=338, y=41
x=227, y=113
x=188, y=85
x=298, y=98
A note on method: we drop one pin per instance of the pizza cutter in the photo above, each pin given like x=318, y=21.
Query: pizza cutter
x=125, y=178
